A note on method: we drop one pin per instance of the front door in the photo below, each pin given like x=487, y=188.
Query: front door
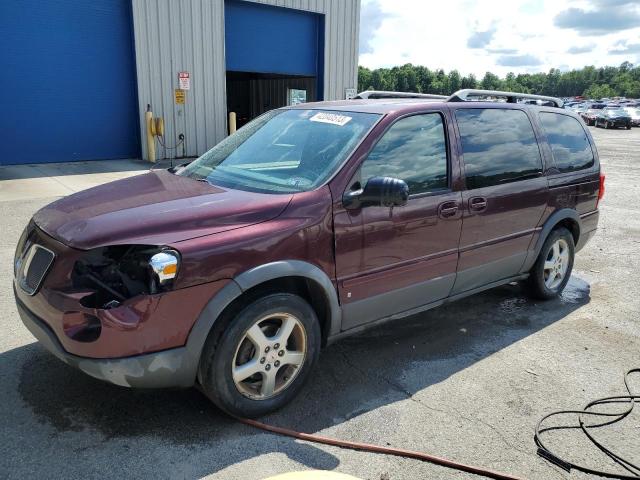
x=506, y=194
x=392, y=260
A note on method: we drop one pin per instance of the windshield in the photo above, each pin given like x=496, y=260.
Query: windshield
x=283, y=151
x=634, y=112
x=614, y=111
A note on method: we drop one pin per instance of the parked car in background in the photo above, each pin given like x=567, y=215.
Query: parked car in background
x=310, y=223
x=634, y=113
x=613, y=118
x=589, y=116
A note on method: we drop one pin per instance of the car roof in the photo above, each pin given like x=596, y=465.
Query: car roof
x=381, y=106
x=389, y=105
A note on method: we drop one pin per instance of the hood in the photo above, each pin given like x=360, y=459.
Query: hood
x=617, y=115
x=156, y=208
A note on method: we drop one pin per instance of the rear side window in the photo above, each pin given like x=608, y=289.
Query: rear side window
x=498, y=146
x=414, y=149
x=569, y=143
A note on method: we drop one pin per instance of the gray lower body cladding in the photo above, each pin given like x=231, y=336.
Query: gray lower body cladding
x=167, y=368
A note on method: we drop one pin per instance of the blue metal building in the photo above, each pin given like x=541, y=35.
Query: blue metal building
x=80, y=74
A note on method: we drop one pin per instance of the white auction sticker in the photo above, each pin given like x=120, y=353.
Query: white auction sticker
x=332, y=118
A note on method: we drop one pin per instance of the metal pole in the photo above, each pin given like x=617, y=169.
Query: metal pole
x=151, y=144
x=232, y=123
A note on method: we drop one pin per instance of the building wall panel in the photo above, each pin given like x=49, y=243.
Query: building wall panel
x=177, y=35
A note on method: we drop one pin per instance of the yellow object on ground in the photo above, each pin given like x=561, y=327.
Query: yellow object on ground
x=313, y=475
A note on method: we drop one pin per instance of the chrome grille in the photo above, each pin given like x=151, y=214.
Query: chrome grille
x=33, y=268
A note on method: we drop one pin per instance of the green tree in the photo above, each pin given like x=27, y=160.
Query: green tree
x=364, y=79
x=491, y=81
x=424, y=78
x=599, y=91
x=455, y=81
x=623, y=80
x=469, y=81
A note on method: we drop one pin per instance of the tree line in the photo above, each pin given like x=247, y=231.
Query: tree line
x=590, y=82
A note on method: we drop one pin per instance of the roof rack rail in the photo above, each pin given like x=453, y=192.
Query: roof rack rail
x=512, y=97
x=373, y=94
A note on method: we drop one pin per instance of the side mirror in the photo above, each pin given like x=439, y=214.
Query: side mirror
x=378, y=192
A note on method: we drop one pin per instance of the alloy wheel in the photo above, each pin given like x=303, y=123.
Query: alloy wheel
x=556, y=264
x=269, y=356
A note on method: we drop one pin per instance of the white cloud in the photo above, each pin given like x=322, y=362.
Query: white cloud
x=508, y=35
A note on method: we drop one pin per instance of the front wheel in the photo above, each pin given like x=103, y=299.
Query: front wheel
x=261, y=360
x=551, y=272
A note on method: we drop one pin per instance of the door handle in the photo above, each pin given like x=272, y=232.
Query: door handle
x=447, y=209
x=477, y=204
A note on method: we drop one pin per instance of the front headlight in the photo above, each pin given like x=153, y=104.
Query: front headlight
x=165, y=266
x=117, y=273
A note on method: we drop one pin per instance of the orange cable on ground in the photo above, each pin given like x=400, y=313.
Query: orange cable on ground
x=367, y=447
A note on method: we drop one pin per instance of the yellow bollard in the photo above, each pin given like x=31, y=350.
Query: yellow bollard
x=232, y=123
x=151, y=144
x=159, y=126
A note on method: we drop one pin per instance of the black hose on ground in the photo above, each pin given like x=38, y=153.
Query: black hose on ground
x=631, y=399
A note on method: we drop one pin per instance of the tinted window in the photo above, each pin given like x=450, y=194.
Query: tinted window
x=414, y=150
x=498, y=146
x=568, y=141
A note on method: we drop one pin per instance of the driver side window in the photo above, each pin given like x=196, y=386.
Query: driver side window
x=414, y=149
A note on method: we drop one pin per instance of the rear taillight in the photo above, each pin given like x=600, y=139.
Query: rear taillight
x=601, y=189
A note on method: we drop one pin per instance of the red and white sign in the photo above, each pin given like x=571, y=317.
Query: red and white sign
x=184, y=80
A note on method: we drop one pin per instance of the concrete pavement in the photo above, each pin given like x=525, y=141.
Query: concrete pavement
x=24, y=182
x=467, y=381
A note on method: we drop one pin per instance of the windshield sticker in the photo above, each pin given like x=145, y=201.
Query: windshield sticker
x=332, y=118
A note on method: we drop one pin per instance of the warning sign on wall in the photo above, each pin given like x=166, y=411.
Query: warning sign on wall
x=180, y=94
x=184, y=80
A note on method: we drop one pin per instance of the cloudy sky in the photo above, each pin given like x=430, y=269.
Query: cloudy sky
x=474, y=36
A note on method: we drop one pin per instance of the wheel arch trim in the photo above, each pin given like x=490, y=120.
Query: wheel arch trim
x=252, y=278
x=551, y=223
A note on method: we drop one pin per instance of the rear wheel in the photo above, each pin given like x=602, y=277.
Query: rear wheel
x=263, y=357
x=551, y=272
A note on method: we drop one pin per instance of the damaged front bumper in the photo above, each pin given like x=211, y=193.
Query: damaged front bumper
x=167, y=368
x=141, y=342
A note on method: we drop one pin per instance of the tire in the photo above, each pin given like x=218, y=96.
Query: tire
x=606, y=125
x=628, y=127
x=227, y=349
x=540, y=284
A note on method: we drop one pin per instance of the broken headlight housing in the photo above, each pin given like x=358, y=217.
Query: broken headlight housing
x=117, y=273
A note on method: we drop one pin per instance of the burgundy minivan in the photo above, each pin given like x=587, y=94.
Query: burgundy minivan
x=310, y=223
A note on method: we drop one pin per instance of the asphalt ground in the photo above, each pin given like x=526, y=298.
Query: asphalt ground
x=467, y=381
